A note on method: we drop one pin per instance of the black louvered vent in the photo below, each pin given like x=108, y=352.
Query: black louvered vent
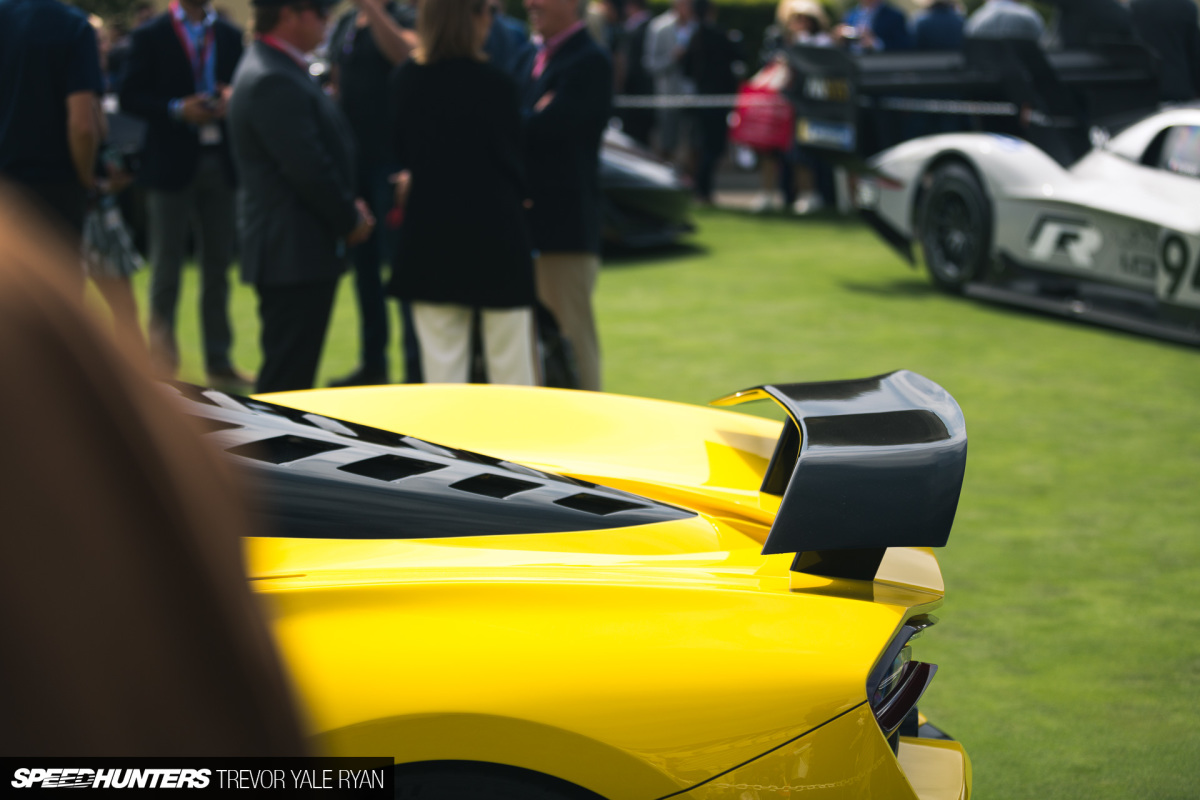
x=490, y=485
x=390, y=468
x=325, y=478
x=597, y=504
x=282, y=449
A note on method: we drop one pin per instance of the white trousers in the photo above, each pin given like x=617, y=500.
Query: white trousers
x=444, y=335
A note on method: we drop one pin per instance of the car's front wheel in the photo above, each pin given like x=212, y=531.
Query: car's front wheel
x=956, y=228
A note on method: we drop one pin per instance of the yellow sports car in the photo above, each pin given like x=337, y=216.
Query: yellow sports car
x=625, y=598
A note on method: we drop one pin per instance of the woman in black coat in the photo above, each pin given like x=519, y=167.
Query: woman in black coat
x=464, y=246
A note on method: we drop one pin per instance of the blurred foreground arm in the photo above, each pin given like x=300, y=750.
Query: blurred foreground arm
x=85, y=131
x=393, y=41
x=130, y=628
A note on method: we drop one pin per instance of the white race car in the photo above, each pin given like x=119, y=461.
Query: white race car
x=1113, y=238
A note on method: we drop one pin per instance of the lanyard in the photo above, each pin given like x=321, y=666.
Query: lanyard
x=198, y=60
x=290, y=52
x=551, y=46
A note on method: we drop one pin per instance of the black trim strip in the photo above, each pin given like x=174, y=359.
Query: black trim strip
x=763, y=754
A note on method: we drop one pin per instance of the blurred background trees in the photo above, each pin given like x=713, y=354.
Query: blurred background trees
x=118, y=11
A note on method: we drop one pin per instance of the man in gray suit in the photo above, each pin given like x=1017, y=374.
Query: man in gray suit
x=1005, y=19
x=666, y=41
x=297, y=209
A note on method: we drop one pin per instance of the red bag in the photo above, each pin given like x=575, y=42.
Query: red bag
x=763, y=118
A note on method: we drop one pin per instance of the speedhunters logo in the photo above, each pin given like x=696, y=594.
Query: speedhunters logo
x=327, y=778
x=83, y=778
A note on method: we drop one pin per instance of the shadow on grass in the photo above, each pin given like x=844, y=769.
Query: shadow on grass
x=915, y=286
x=645, y=256
x=1083, y=323
x=827, y=216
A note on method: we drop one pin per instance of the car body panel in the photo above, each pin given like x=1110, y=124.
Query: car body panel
x=848, y=757
x=937, y=769
x=1108, y=220
x=637, y=662
x=600, y=655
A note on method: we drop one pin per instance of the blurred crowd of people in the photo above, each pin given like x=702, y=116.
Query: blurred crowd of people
x=805, y=182
x=683, y=53
x=446, y=142
x=1168, y=27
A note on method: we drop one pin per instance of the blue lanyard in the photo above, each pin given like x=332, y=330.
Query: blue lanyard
x=199, y=42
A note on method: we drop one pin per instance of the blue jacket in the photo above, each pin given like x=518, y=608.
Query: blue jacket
x=939, y=28
x=886, y=23
x=508, y=46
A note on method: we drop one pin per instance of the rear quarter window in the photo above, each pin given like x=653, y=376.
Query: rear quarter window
x=1177, y=150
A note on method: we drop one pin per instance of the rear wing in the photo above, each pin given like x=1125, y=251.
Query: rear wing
x=862, y=465
x=852, y=106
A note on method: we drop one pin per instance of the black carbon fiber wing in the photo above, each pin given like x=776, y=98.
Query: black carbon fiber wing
x=862, y=465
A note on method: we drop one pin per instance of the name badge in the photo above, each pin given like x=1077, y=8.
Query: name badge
x=210, y=134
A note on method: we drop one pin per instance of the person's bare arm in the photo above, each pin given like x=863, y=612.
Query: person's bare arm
x=392, y=40
x=85, y=131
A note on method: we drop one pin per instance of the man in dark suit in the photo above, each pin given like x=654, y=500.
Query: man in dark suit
x=177, y=79
x=566, y=103
x=1169, y=28
x=367, y=42
x=632, y=76
x=297, y=206
x=710, y=62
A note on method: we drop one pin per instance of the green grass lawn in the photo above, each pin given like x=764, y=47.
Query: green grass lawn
x=1070, y=640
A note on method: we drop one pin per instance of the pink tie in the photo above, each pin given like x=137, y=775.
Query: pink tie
x=539, y=62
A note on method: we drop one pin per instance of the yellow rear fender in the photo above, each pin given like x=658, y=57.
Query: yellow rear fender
x=584, y=661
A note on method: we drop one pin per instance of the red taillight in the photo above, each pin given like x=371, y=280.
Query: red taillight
x=903, y=699
x=897, y=682
x=884, y=182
